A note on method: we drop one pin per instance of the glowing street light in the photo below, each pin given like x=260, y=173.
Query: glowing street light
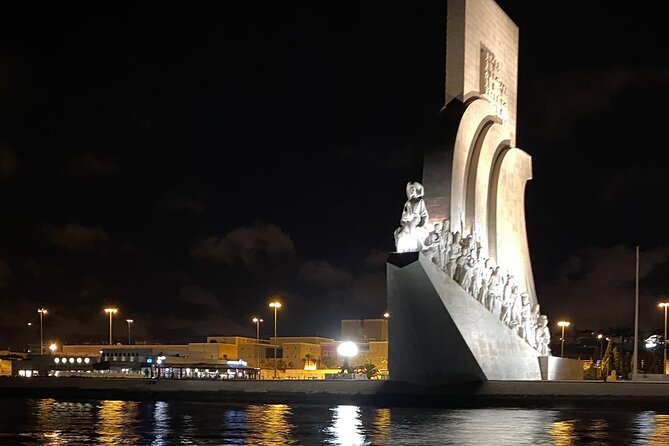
x=386, y=315
x=42, y=312
x=347, y=350
x=129, y=321
x=110, y=312
x=664, y=364
x=257, y=321
x=563, y=324
x=276, y=305
x=53, y=347
x=601, y=346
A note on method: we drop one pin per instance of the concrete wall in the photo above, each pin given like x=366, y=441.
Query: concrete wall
x=556, y=368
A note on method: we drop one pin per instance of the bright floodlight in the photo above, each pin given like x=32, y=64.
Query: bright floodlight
x=386, y=315
x=275, y=304
x=564, y=324
x=130, y=321
x=111, y=310
x=663, y=304
x=347, y=349
x=53, y=347
x=42, y=310
x=600, y=336
x=256, y=320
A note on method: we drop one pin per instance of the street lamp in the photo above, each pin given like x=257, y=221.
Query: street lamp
x=257, y=321
x=129, y=321
x=53, y=347
x=386, y=315
x=347, y=350
x=664, y=364
x=42, y=312
x=276, y=305
x=601, y=346
x=563, y=324
x=110, y=312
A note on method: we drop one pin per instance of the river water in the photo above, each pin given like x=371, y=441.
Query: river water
x=75, y=422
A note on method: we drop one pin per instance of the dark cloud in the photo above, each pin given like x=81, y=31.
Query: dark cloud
x=5, y=274
x=569, y=96
x=195, y=294
x=323, y=273
x=75, y=237
x=595, y=286
x=376, y=260
x=245, y=245
x=183, y=202
x=8, y=162
x=90, y=165
x=634, y=182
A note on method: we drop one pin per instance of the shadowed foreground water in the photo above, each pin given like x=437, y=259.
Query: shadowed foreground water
x=59, y=422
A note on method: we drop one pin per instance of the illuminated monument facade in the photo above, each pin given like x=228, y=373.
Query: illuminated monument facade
x=460, y=286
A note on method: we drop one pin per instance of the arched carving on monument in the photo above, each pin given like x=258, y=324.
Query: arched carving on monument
x=491, y=142
x=478, y=115
x=507, y=234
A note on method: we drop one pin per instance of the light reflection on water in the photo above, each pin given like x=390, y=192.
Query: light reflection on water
x=60, y=422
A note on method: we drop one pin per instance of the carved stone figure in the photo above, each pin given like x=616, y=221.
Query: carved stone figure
x=466, y=275
x=431, y=245
x=508, y=301
x=411, y=234
x=543, y=336
x=483, y=292
x=495, y=290
x=476, y=277
x=446, y=242
x=456, y=249
x=525, y=316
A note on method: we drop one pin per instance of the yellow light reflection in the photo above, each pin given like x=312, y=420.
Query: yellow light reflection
x=115, y=422
x=346, y=426
x=268, y=424
x=380, y=427
x=659, y=434
x=562, y=433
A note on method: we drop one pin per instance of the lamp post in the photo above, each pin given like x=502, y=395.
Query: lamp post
x=276, y=305
x=110, y=312
x=601, y=346
x=257, y=321
x=42, y=312
x=347, y=350
x=129, y=321
x=563, y=324
x=664, y=356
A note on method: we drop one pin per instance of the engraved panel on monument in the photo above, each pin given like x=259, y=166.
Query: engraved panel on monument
x=492, y=86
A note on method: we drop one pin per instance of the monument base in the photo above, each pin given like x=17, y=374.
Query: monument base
x=439, y=334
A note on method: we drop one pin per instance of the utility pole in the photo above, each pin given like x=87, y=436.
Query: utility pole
x=635, y=355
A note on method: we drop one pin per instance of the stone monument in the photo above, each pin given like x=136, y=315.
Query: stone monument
x=460, y=299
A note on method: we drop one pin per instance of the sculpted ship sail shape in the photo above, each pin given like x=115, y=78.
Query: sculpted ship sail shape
x=473, y=278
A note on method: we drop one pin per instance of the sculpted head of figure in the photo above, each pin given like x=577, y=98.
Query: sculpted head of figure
x=414, y=190
x=437, y=227
x=446, y=224
x=456, y=237
x=542, y=321
x=525, y=298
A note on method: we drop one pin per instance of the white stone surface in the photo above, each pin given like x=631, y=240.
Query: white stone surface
x=499, y=351
x=470, y=26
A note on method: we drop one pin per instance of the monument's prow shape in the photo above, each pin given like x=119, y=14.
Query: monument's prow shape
x=474, y=272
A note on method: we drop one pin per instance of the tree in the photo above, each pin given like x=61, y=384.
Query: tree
x=368, y=369
x=329, y=362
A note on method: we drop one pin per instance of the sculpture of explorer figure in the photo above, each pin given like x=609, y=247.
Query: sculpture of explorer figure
x=411, y=234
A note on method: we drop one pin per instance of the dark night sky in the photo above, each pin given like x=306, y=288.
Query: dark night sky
x=186, y=165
